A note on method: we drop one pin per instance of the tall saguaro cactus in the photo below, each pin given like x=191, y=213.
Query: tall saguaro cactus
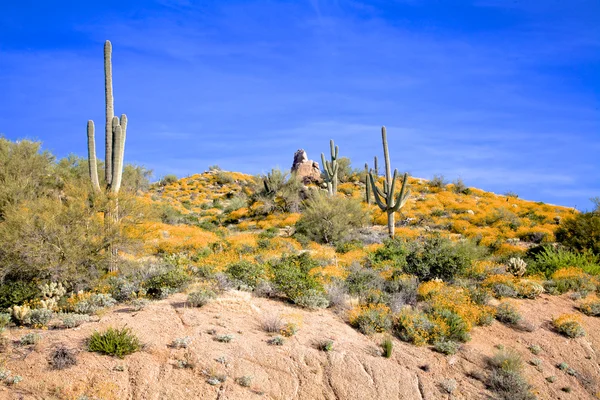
x=116, y=130
x=385, y=198
x=331, y=169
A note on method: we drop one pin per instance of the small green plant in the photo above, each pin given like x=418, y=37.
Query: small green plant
x=325, y=345
x=445, y=346
x=224, y=338
x=38, y=318
x=388, y=347
x=551, y=379
x=94, y=303
x=62, y=357
x=535, y=349
x=566, y=389
x=508, y=314
x=30, y=339
x=590, y=307
x=201, y=297
x=276, y=341
x=563, y=366
x=115, y=342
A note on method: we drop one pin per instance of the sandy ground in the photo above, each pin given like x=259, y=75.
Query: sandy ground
x=354, y=369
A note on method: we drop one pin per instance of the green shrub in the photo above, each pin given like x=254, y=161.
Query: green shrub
x=4, y=320
x=506, y=379
x=94, y=303
x=73, y=320
x=201, y=297
x=30, y=339
x=168, y=180
x=371, y=319
x=445, y=346
x=458, y=329
x=246, y=273
x=325, y=345
x=114, y=342
x=507, y=313
x=388, y=347
x=167, y=282
x=438, y=257
x=17, y=292
x=312, y=299
x=547, y=260
x=392, y=254
x=568, y=325
x=589, y=307
x=362, y=280
x=276, y=341
x=581, y=232
x=38, y=318
x=291, y=277
x=330, y=219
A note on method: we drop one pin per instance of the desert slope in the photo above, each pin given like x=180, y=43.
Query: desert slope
x=354, y=369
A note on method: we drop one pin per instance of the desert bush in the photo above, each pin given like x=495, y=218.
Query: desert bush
x=535, y=349
x=361, y=280
x=438, y=257
x=168, y=180
x=337, y=294
x=38, y=318
x=114, y=342
x=30, y=339
x=224, y=338
x=501, y=285
x=244, y=381
x=547, y=260
x=589, y=307
x=438, y=182
x=247, y=273
x=388, y=347
x=325, y=345
x=73, y=320
x=166, y=281
x=402, y=289
x=371, y=318
x=528, y=289
x=449, y=385
x=568, y=325
x=312, y=299
x=456, y=328
x=567, y=279
x=276, y=341
x=271, y=323
x=506, y=379
x=201, y=297
x=92, y=303
x=508, y=314
x=330, y=219
x=392, y=254
x=17, y=292
x=445, y=346
x=291, y=277
x=62, y=357
x=581, y=232
x=459, y=187
x=181, y=343
x=138, y=304
x=415, y=327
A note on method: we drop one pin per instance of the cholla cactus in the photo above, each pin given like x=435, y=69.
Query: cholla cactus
x=20, y=312
x=516, y=266
x=53, y=290
x=49, y=304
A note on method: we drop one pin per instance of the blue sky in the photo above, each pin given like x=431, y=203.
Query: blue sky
x=503, y=94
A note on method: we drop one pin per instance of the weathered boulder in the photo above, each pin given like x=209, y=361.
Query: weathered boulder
x=306, y=170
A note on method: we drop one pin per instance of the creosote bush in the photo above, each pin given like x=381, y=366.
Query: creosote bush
x=114, y=342
x=508, y=314
x=330, y=219
x=291, y=277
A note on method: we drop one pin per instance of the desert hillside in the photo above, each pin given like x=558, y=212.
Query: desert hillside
x=285, y=286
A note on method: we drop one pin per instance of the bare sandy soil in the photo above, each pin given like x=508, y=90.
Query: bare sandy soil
x=354, y=369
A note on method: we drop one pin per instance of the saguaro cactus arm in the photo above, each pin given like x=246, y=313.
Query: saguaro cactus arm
x=331, y=168
x=93, y=164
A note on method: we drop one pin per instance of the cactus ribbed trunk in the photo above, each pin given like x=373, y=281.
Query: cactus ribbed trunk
x=115, y=153
x=367, y=185
x=109, y=110
x=385, y=198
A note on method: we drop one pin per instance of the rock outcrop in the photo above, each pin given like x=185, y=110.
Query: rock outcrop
x=307, y=170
